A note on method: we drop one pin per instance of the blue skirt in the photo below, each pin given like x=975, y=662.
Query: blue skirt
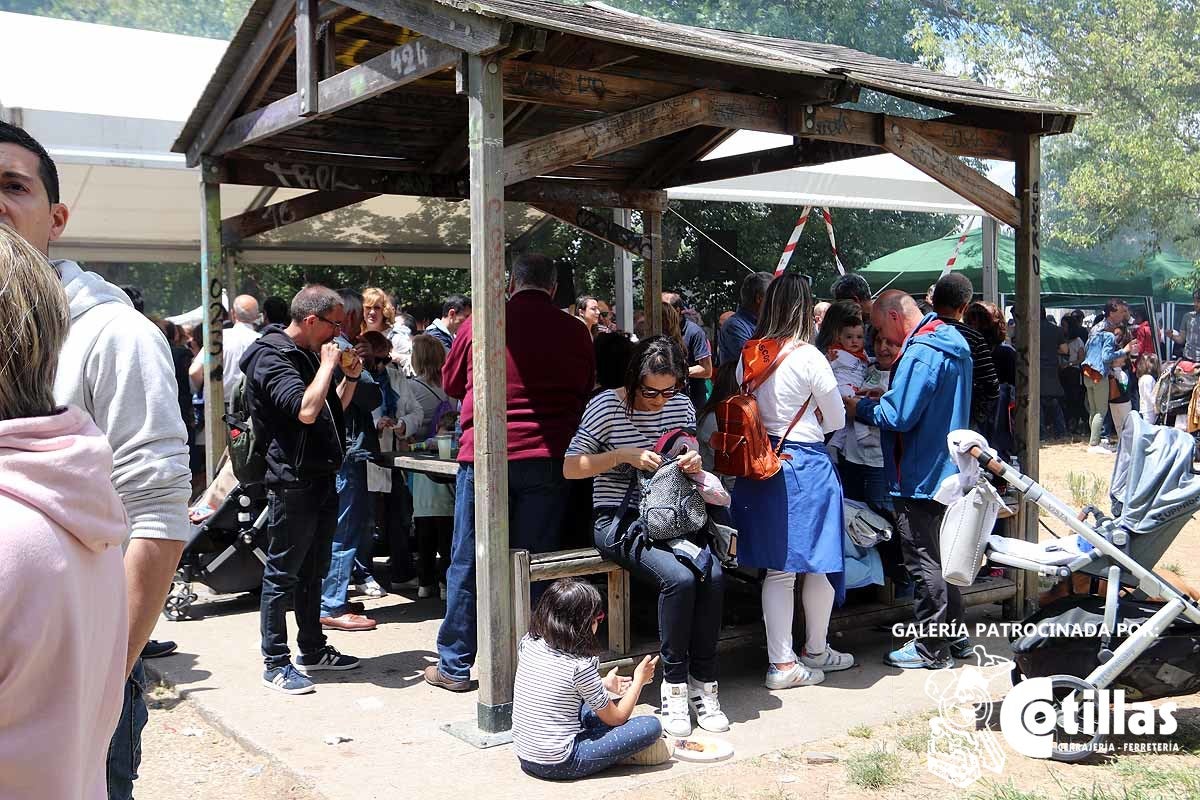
x=793, y=522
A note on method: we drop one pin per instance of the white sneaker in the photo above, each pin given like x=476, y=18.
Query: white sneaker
x=677, y=717
x=798, y=675
x=1101, y=449
x=702, y=698
x=371, y=588
x=829, y=661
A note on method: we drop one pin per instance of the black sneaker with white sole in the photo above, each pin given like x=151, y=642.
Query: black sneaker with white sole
x=326, y=658
x=287, y=680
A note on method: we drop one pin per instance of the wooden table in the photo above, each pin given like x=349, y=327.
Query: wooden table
x=424, y=463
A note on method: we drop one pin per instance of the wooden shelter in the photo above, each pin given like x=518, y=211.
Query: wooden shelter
x=569, y=108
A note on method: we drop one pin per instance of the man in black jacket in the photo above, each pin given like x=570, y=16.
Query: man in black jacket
x=298, y=406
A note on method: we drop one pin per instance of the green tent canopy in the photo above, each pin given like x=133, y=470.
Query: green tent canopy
x=1068, y=280
x=1163, y=268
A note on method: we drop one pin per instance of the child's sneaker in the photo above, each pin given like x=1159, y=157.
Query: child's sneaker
x=828, y=661
x=287, y=680
x=797, y=675
x=658, y=753
x=677, y=717
x=702, y=698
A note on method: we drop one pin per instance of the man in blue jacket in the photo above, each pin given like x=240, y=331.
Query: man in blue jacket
x=930, y=396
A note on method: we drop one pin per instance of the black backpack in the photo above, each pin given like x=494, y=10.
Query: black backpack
x=247, y=442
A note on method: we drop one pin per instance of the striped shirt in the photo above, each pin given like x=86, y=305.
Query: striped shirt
x=608, y=425
x=548, y=694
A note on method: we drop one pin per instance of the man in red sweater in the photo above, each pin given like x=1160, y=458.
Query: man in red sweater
x=551, y=371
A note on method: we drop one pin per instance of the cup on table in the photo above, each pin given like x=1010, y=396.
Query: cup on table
x=444, y=443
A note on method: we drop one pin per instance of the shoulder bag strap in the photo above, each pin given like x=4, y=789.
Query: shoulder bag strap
x=785, y=351
x=795, y=420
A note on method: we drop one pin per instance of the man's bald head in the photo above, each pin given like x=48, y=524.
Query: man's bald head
x=245, y=309
x=895, y=315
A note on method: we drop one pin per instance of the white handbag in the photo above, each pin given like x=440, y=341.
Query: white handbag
x=965, y=528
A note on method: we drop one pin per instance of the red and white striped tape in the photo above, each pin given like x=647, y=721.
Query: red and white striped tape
x=791, y=244
x=790, y=247
x=954, y=256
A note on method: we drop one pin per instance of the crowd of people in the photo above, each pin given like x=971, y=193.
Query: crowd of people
x=857, y=393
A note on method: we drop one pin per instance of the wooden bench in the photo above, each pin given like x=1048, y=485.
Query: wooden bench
x=530, y=567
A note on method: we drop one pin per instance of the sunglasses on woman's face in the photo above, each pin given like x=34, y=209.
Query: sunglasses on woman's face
x=650, y=394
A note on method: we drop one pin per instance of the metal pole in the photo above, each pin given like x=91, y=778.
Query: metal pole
x=210, y=281
x=623, y=274
x=496, y=658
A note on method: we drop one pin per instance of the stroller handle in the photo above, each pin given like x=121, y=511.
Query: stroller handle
x=992, y=465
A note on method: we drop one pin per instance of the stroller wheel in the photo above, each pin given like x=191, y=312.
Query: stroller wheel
x=179, y=601
x=1071, y=747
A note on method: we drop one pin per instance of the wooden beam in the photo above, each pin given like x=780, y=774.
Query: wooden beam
x=1028, y=314
x=652, y=269
x=464, y=30
x=400, y=65
x=277, y=215
x=576, y=88
x=308, y=67
x=211, y=268
x=243, y=77
x=671, y=156
x=603, y=228
x=805, y=153
x=326, y=177
x=902, y=140
x=493, y=576
x=553, y=151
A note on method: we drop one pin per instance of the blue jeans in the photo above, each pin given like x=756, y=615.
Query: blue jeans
x=125, y=747
x=353, y=527
x=598, y=747
x=537, y=498
x=301, y=519
x=689, y=609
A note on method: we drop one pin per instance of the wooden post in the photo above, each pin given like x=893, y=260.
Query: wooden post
x=991, y=270
x=623, y=275
x=496, y=659
x=619, y=640
x=308, y=57
x=211, y=267
x=521, y=598
x=1028, y=314
x=652, y=268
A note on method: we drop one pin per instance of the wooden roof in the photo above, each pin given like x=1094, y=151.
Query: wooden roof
x=567, y=66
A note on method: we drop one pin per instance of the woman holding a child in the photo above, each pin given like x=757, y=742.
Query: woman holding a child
x=792, y=522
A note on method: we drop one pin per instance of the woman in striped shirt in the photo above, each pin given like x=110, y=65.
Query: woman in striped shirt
x=616, y=437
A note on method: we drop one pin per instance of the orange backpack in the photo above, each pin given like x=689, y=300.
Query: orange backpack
x=741, y=447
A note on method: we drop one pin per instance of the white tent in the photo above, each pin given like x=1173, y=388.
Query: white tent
x=881, y=181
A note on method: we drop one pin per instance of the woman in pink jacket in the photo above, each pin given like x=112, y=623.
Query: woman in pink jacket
x=63, y=624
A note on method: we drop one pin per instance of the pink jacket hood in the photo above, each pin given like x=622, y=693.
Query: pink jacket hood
x=53, y=464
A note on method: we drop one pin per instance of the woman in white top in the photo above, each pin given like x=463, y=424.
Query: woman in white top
x=379, y=314
x=792, y=522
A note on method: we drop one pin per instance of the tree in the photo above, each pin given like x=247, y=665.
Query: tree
x=1130, y=171
x=216, y=19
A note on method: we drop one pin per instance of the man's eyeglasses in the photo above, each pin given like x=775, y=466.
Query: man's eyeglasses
x=334, y=323
x=650, y=394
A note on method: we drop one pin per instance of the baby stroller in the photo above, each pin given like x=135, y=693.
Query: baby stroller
x=226, y=549
x=1154, y=491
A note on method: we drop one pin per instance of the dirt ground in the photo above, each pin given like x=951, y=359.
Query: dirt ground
x=186, y=757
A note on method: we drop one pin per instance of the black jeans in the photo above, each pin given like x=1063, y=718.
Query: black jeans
x=689, y=610
x=918, y=522
x=301, y=520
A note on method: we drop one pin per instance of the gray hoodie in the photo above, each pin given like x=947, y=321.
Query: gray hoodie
x=117, y=367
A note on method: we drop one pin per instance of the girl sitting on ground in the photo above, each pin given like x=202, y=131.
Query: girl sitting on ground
x=564, y=723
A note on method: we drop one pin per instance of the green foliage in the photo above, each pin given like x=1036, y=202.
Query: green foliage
x=216, y=19
x=874, y=769
x=1134, y=167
